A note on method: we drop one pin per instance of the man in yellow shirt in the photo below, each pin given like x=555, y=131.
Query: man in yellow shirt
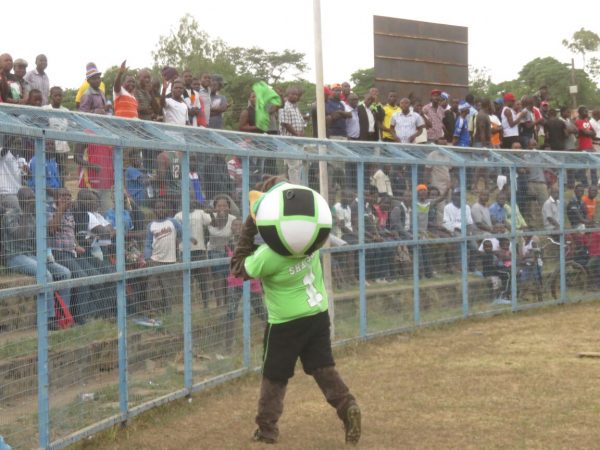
x=85, y=85
x=389, y=109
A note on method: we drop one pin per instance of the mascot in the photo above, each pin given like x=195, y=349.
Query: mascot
x=294, y=222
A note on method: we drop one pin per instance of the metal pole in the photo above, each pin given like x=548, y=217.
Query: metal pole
x=188, y=343
x=513, y=240
x=362, y=294
x=416, y=248
x=573, y=83
x=42, y=308
x=463, y=244
x=321, y=134
x=562, y=175
x=121, y=299
x=246, y=288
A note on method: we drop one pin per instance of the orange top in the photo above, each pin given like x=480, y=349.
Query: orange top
x=126, y=105
x=590, y=205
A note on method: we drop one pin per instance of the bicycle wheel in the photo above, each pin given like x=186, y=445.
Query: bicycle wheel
x=575, y=276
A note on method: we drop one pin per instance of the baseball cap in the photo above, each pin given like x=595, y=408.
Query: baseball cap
x=436, y=92
x=421, y=187
x=509, y=97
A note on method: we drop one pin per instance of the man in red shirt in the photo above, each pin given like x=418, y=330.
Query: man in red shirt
x=586, y=135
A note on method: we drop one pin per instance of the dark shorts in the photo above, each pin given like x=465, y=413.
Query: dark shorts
x=307, y=338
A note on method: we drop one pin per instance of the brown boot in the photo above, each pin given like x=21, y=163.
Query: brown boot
x=270, y=408
x=338, y=395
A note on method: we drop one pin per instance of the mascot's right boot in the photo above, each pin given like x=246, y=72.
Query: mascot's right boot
x=270, y=408
x=338, y=395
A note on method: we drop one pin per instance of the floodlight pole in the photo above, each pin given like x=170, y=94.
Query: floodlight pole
x=321, y=134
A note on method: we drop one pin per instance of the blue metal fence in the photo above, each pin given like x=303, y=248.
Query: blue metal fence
x=122, y=369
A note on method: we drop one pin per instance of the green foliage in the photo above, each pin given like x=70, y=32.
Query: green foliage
x=480, y=82
x=363, y=80
x=583, y=42
x=69, y=98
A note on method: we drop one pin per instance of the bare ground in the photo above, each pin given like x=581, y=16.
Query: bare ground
x=513, y=381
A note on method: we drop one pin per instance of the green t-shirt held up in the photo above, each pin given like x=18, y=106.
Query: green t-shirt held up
x=293, y=287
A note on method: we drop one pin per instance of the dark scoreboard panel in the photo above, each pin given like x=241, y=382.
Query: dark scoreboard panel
x=413, y=57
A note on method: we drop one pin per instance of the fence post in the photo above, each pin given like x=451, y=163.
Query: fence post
x=246, y=288
x=42, y=309
x=187, y=300
x=463, y=244
x=362, y=294
x=513, y=240
x=416, y=249
x=121, y=299
x=561, y=202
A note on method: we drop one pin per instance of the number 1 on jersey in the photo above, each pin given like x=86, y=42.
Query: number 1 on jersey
x=314, y=296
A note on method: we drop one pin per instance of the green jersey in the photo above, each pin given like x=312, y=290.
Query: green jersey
x=293, y=287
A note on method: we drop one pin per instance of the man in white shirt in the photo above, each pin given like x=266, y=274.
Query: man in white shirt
x=406, y=125
x=10, y=179
x=453, y=223
x=551, y=210
x=38, y=79
x=352, y=122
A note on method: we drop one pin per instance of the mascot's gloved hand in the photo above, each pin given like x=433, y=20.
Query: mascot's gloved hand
x=244, y=248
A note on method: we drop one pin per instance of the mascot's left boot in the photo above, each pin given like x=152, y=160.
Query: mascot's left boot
x=338, y=395
x=270, y=408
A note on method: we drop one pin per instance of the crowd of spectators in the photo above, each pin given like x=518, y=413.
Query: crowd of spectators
x=81, y=233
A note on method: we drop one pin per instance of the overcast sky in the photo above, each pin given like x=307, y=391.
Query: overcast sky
x=503, y=35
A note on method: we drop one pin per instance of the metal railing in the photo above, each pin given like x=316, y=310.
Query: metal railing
x=58, y=386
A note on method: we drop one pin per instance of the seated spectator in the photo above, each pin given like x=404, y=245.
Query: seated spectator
x=381, y=180
x=498, y=213
x=550, y=210
x=86, y=301
x=499, y=275
x=482, y=218
x=453, y=223
x=386, y=231
x=160, y=249
x=519, y=220
x=438, y=175
x=53, y=179
x=590, y=202
x=577, y=210
x=136, y=181
x=19, y=248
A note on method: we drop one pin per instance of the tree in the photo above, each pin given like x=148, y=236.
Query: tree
x=271, y=67
x=583, y=42
x=363, y=80
x=480, y=82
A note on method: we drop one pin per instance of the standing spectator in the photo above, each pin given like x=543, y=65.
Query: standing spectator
x=556, y=132
x=195, y=104
x=96, y=170
x=570, y=141
x=93, y=99
x=370, y=116
x=205, y=92
x=174, y=107
x=462, y=137
x=346, y=91
x=389, y=110
x=6, y=65
x=353, y=122
x=85, y=85
x=20, y=85
x=406, y=125
x=248, y=116
x=10, y=179
x=126, y=104
x=335, y=115
x=218, y=103
x=291, y=123
x=199, y=219
x=422, y=137
x=450, y=116
x=438, y=175
x=38, y=79
x=483, y=126
x=435, y=112
x=60, y=124
x=19, y=248
x=148, y=107
x=595, y=123
x=527, y=125
x=160, y=249
x=510, y=121
x=586, y=144
x=168, y=178
x=220, y=236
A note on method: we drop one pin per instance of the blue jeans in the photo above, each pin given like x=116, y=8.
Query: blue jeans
x=28, y=265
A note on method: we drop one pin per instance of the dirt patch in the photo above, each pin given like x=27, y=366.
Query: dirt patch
x=513, y=381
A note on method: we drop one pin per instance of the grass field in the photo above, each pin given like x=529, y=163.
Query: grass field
x=512, y=381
